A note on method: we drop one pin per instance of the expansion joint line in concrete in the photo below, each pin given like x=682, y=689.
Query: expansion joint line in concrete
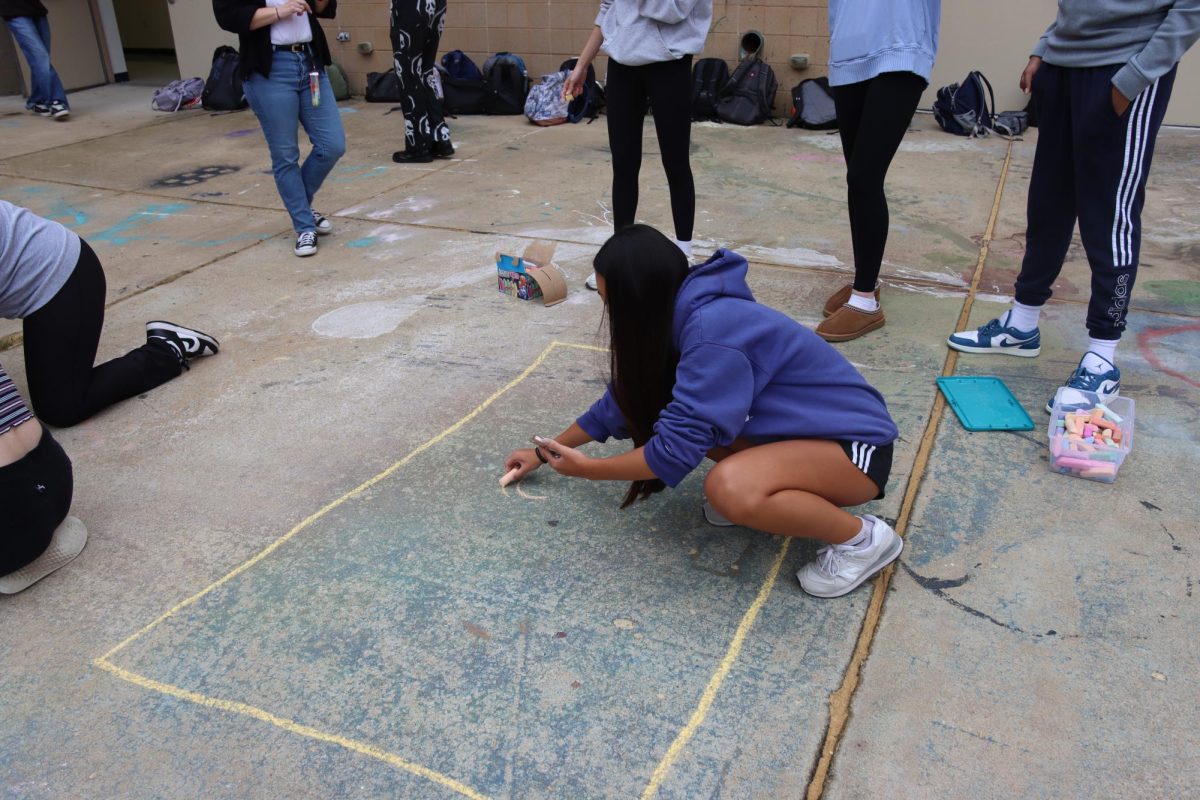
x=840, y=700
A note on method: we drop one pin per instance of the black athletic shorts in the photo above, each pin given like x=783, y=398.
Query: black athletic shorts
x=874, y=460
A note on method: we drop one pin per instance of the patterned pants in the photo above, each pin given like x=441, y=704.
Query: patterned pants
x=416, y=30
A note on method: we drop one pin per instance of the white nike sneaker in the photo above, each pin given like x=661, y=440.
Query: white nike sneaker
x=839, y=570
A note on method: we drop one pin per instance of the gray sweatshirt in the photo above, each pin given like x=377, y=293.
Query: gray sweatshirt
x=1148, y=37
x=36, y=258
x=647, y=31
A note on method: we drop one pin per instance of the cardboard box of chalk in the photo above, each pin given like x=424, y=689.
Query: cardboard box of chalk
x=1090, y=439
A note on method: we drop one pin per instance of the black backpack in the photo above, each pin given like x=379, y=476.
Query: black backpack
x=462, y=95
x=812, y=105
x=750, y=94
x=383, y=87
x=507, y=84
x=967, y=109
x=709, y=77
x=223, y=89
x=588, y=104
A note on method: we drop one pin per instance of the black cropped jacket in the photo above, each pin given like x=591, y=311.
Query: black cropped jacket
x=255, y=46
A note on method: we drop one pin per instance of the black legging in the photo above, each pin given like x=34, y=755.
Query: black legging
x=667, y=87
x=35, y=494
x=61, y=339
x=415, y=36
x=872, y=118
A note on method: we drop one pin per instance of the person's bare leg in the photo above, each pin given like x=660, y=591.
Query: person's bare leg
x=793, y=488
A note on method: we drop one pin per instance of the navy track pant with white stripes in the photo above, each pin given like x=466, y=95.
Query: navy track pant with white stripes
x=1090, y=165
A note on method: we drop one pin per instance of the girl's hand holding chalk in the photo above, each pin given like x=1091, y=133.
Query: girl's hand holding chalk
x=563, y=460
x=519, y=464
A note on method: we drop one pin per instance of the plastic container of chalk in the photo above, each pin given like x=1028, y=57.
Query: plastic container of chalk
x=1078, y=445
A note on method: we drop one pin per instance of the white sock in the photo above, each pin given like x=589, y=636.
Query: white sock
x=864, y=537
x=868, y=304
x=686, y=247
x=1106, y=349
x=1023, y=317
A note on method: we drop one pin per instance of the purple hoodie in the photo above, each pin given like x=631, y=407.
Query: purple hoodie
x=746, y=370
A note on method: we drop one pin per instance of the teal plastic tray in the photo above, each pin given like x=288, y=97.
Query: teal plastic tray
x=984, y=403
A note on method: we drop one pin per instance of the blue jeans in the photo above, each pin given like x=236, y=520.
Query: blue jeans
x=281, y=103
x=33, y=37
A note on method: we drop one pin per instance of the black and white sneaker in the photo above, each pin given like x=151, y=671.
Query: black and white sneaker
x=40, y=110
x=186, y=343
x=59, y=110
x=306, y=244
x=324, y=226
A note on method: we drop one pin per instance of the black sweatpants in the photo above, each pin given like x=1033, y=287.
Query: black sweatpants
x=61, y=339
x=416, y=31
x=35, y=495
x=666, y=87
x=873, y=116
x=1090, y=165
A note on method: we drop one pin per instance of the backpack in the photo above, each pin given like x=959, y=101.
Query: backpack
x=507, y=84
x=223, y=89
x=812, y=105
x=591, y=101
x=176, y=95
x=383, y=87
x=1010, y=123
x=338, y=82
x=709, y=77
x=462, y=95
x=545, y=105
x=749, y=95
x=458, y=64
x=968, y=109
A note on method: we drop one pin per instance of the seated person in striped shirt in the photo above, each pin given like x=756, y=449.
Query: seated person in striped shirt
x=700, y=369
x=36, y=537
x=52, y=281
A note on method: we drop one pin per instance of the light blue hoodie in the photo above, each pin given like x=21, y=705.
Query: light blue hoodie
x=640, y=32
x=746, y=370
x=870, y=37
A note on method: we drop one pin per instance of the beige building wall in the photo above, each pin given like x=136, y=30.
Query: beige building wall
x=547, y=33
x=992, y=37
x=996, y=38
x=196, y=35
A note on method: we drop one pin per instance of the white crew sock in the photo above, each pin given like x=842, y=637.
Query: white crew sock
x=864, y=537
x=686, y=247
x=1106, y=349
x=868, y=304
x=1023, y=317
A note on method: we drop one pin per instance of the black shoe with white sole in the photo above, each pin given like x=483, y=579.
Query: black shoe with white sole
x=186, y=343
x=306, y=244
x=324, y=226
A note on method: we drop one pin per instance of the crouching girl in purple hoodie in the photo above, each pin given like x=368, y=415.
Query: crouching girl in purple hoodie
x=699, y=369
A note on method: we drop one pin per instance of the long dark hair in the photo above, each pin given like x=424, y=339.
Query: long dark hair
x=642, y=271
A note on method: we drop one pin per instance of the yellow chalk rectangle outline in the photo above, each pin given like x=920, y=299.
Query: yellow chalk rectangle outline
x=291, y=726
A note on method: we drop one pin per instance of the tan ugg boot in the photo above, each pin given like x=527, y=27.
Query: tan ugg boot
x=849, y=323
x=841, y=297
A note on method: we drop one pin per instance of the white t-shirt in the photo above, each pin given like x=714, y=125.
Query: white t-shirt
x=292, y=29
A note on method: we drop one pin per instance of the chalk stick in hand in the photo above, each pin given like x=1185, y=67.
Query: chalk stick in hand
x=509, y=477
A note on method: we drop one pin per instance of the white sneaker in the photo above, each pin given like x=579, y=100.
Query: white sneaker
x=67, y=542
x=715, y=517
x=306, y=244
x=324, y=226
x=591, y=282
x=838, y=569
